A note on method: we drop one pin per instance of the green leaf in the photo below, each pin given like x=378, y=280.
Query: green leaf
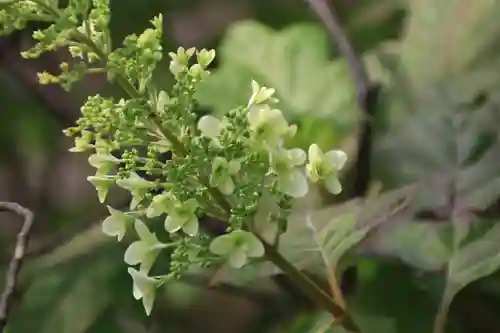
x=294, y=61
x=435, y=46
x=471, y=262
x=69, y=297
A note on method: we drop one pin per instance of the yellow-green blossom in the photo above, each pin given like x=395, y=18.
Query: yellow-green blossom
x=269, y=125
x=117, y=223
x=104, y=163
x=144, y=288
x=137, y=186
x=290, y=175
x=145, y=250
x=324, y=167
x=183, y=216
x=101, y=184
x=260, y=94
x=222, y=172
x=237, y=246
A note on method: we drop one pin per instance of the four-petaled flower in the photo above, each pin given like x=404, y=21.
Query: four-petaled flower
x=101, y=184
x=268, y=125
x=137, y=186
x=161, y=204
x=145, y=250
x=144, y=287
x=324, y=167
x=116, y=224
x=222, y=172
x=183, y=216
x=104, y=163
x=290, y=176
x=237, y=246
x=260, y=94
x=212, y=127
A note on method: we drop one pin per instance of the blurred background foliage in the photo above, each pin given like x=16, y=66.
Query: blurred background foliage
x=438, y=63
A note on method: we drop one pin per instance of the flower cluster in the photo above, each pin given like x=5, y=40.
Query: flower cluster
x=177, y=167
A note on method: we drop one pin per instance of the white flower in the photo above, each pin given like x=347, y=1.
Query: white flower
x=101, y=184
x=205, y=57
x=222, y=172
x=269, y=125
x=145, y=250
x=324, y=167
x=259, y=94
x=137, y=186
x=104, y=163
x=291, y=178
x=116, y=224
x=183, y=216
x=237, y=246
x=161, y=204
x=211, y=127
x=145, y=288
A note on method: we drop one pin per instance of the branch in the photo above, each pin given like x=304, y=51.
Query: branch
x=17, y=258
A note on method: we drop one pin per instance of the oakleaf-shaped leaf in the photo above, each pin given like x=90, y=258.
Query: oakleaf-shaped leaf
x=294, y=61
x=469, y=263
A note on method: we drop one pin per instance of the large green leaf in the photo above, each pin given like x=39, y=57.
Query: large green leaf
x=443, y=39
x=294, y=61
x=474, y=260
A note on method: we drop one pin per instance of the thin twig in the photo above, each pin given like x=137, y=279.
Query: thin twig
x=17, y=258
x=331, y=21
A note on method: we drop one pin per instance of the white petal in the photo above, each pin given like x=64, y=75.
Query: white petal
x=191, y=227
x=143, y=284
x=333, y=185
x=226, y=186
x=315, y=154
x=136, y=253
x=294, y=183
x=255, y=247
x=222, y=245
x=209, y=126
x=113, y=226
x=336, y=158
x=238, y=258
x=173, y=224
x=298, y=156
x=144, y=233
x=147, y=302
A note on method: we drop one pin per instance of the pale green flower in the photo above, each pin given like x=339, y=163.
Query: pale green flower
x=104, y=163
x=183, y=216
x=117, y=223
x=101, y=184
x=180, y=60
x=290, y=175
x=137, y=186
x=161, y=204
x=212, y=127
x=205, y=57
x=222, y=172
x=145, y=250
x=144, y=287
x=268, y=125
x=324, y=167
x=260, y=94
x=163, y=100
x=83, y=142
x=237, y=246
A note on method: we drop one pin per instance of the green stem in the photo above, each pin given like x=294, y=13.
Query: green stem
x=302, y=280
